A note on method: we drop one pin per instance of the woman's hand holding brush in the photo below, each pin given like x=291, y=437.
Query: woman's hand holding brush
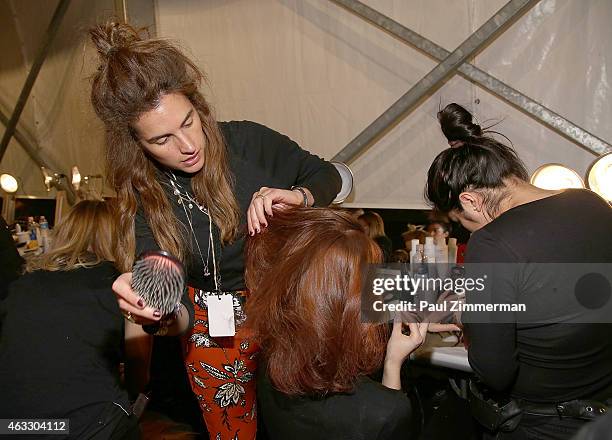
x=133, y=306
x=137, y=311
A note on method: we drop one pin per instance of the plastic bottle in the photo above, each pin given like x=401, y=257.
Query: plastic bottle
x=442, y=258
x=441, y=252
x=32, y=225
x=415, y=255
x=44, y=233
x=452, y=250
x=424, y=270
x=430, y=250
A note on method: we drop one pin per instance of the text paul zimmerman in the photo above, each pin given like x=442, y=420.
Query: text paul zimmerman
x=415, y=286
x=446, y=306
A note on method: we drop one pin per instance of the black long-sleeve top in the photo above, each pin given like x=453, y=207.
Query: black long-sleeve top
x=370, y=412
x=258, y=156
x=544, y=362
x=60, y=347
x=10, y=261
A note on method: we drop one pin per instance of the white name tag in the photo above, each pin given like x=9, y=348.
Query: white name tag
x=221, y=315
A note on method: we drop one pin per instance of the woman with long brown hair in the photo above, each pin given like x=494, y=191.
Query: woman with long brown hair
x=190, y=185
x=374, y=226
x=306, y=273
x=62, y=331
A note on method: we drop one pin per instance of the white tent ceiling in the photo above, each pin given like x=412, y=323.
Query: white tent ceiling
x=315, y=72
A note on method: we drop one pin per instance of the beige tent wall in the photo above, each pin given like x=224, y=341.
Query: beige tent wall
x=319, y=74
x=58, y=115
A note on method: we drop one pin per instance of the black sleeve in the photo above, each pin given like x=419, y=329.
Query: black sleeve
x=492, y=350
x=10, y=260
x=145, y=241
x=399, y=421
x=282, y=158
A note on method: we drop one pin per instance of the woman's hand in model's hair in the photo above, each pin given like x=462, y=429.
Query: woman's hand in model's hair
x=131, y=305
x=399, y=348
x=263, y=200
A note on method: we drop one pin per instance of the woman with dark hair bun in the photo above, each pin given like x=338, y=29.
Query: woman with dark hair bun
x=538, y=359
x=306, y=273
x=193, y=186
x=475, y=160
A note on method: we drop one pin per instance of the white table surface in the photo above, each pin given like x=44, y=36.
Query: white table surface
x=442, y=353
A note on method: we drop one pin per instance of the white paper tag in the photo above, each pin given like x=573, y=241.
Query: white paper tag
x=221, y=315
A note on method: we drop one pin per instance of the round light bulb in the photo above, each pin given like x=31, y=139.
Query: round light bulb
x=8, y=183
x=599, y=176
x=555, y=176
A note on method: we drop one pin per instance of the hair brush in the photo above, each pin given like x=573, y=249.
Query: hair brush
x=159, y=279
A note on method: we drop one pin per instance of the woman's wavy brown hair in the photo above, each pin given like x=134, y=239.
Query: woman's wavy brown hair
x=134, y=73
x=84, y=238
x=376, y=225
x=305, y=273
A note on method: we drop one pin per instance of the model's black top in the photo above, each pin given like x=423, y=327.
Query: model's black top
x=544, y=362
x=10, y=261
x=371, y=412
x=258, y=156
x=61, y=346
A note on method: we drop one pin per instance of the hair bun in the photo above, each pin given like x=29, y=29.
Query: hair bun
x=456, y=123
x=112, y=36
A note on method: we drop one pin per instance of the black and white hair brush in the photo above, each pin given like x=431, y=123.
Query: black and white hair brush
x=159, y=279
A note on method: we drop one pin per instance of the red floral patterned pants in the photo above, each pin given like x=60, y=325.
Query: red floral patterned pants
x=222, y=373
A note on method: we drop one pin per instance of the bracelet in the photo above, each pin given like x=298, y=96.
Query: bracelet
x=300, y=189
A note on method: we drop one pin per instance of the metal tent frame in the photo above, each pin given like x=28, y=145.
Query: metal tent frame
x=454, y=62
x=34, y=151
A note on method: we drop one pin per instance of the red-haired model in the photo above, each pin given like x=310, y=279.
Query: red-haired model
x=305, y=274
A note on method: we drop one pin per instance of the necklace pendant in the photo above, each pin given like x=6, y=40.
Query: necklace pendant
x=180, y=201
x=206, y=272
x=190, y=205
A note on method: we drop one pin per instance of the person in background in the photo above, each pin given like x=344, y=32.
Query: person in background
x=63, y=333
x=400, y=256
x=10, y=260
x=413, y=233
x=544, y=359
x=374, y=226
x=194, y=187
x=439, y=230
x=305, y=274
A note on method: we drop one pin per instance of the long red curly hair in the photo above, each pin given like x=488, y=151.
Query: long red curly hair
x=305, y=273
